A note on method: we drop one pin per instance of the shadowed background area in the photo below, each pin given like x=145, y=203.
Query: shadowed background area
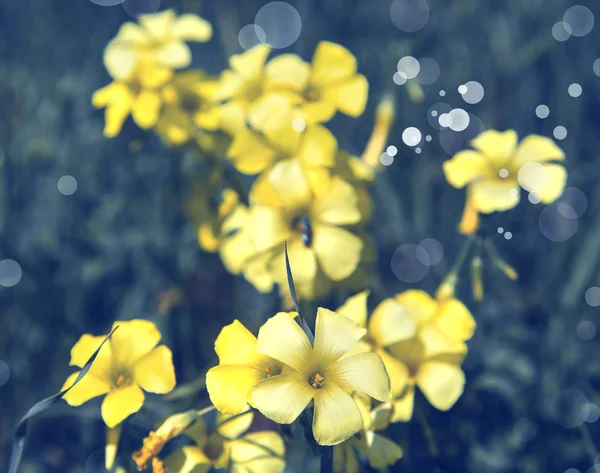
x=111, y=241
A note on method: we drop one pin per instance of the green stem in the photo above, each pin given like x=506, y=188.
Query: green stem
x=427, y=431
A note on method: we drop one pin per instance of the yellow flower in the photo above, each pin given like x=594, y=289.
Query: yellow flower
x=227, y=446
x=309, y=211
x=252, y=152
x=130, y=362
x=159, y=39
x=187, y=108
x=321, y=373
x=494, y=170
x=241, y=367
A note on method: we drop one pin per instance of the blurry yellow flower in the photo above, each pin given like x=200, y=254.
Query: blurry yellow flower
x=159, y=39
x=493, y=172
x=130, y=362
x=309, y=211
x=241, y=367
x=187, y=108
x=321, y=373
x=227, y=446
x=252, y=152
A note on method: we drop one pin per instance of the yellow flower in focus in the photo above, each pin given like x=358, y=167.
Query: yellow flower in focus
x=159, y=39
x=228, y=446
x=241, y=367
x=312, y=212
x=495, y=169
x=321, y=373
x=130, y=362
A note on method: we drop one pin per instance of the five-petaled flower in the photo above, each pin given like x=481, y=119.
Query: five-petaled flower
x=130, y=362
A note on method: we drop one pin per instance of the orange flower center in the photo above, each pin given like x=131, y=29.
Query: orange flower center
x=123, y=381
x=311, y=95
x=273, y=371
x=316, y=381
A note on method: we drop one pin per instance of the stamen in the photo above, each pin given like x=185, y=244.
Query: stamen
x=122, y=381
x=316, y=381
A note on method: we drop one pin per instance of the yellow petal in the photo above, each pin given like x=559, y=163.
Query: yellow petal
x=338, y=205
x=250, y=153
x=355, y=308
x=250, y=63
x=555, y=184
x=344, y=458
x=466, y=166
x=303, y=263
x=404, y=405
x=391, y=322
x=121, y=403
x=132, y=33
x=318, y=147
x=396, y=370
x=420, y=305
x=337, y=416
x=190, y=27
x=441, y=383
x=282, y=398
x=290, y=183
x=437, y=343
x=257, y=273
x=338, y=251
x=411, y=352
x=283, y=339
x=120, y=59
x=236, y=344
x=231, y=426
x=174, y=54
x=146, y=109
x=256, y=445
x=331, y=63
x=319, y=111
x=534, y=148
x=229, y=386
x=492, y=195
x=268, y=226
x=469, y=222
x=188, y=460
x=335, y=334
x=115, y=116
x=455, y=320
x=497, y=146
x=235, y=250
x=381, y=451
x=350, y=96
x=85, y=347
x=132, y=340
x=271, y=112
x=89, y=387
x=230, y=85
x=159, y=24
x=154, y=372
x=113, y=93
x=152, y=75
x=288, y=72
x=364, y=373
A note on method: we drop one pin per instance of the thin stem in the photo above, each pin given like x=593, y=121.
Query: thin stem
x=427, y=431
x=446, y=288
x=233, y=417
x=588, y=443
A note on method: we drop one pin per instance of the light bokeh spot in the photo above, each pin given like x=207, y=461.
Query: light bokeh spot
x=561, y=31
x=434, y=250
x=473, y=92
x=411, y=136
x=10, y=273
x=542, y=111
x=67, y=185
x=409, y=66
x=281, y=24
x=135, y=8
x=592, y=296
x=586, y=330
x=386, y=159
x=410, y=263
x=250, y=36
x=580, y=20
x=429, y=71
x=555, y=226
x=575, y=90
x=560, y=132
x=409, y=15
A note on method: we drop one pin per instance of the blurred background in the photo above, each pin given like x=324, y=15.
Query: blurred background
x=92, y=230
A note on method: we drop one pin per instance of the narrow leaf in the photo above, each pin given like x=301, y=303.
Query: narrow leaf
x=301, y=321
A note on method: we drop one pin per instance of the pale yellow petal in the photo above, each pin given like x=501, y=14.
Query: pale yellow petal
x=83, y=350
x=282, y=398
x=188, y=460
x=283, y=339
x=403, y=406
x=121, y=403
x=230, y=85
x=146, y=109
x=335, y=334
x=250, y=153
x=303, y=263
x=231, y=426
x=154, y=372
x=257, y=445
x=497, y=146
x=381, y=451
x=437, y=343
x=229, y=386
x=174, y=54
x=190, y=27
x=338, y=251
x=288, y=72
x=350, y=96
x=420, y=305
x=250, y=63
x=236, y=344
x=337, y=416
x=364, y=373
x=290, y=183
x=120, y=59
x=152, y=75
x=344, y=458
x=555, y=183
x=88, y=388
x=235, y=250
x=270, y=112
x=132, y=33
x=391, y=322
x=465, y=167
x=319, y=111
x=331, y=63
x=535, y=148
x=268, y=226
x=114, y=117
x=441, y=383
x=494, y=195
x=318, y=147
x=132, y=340
x=455, y=320
x=159, y=24
x=355, y=308
x=338, y=204
x=396, y=370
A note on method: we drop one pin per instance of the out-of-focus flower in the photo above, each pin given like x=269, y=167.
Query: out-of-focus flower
x=321, y=373
x=159, y=39
x=241, y=367
x=130, y=362
x=384, y=117
x=252, y=151
x=312, y=211
x=493, y=171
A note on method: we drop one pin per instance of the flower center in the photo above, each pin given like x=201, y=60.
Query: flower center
x=273, y=371
x=316, y=381
x=311, y=95
x=123, y=381
x=303, y=226
x=190, y=103
x=214, y=446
